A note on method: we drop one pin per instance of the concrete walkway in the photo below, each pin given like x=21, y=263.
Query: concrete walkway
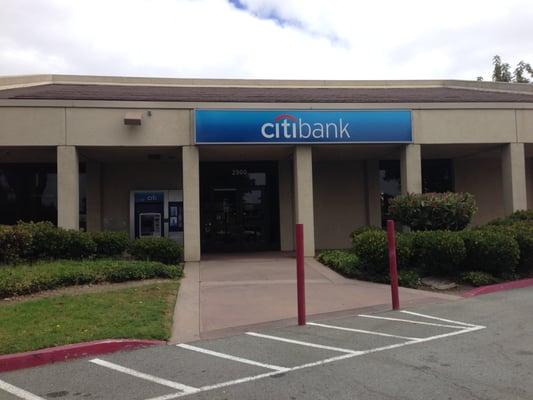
x=224, y=294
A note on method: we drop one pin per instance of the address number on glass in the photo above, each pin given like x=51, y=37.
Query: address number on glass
x=239, y=172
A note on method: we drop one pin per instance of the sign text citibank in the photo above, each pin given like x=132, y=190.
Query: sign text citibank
x=302, y=126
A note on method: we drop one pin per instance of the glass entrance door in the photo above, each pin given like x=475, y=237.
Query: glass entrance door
x=238, y=208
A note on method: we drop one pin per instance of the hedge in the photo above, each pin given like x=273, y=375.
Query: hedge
x=490, y=250
x=344, y=262
x=371, y=248
x=110, y=244
x=159, y=249
x=437, y=252
x=433, y=211
x=27, y=279
x=29, y=241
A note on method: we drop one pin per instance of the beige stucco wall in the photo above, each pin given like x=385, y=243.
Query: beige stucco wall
x=105, y=127
x=32, y=126
x=483, y=178
x=340, y=204
x=118, y=179
x=524, y=125
x=464, y=126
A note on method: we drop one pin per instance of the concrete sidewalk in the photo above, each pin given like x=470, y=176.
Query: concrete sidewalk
x=226, y=293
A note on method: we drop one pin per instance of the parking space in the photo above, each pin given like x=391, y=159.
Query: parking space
x=169, y=372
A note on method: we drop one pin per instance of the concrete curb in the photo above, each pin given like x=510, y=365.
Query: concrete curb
x=522, y=283
x=11, y=362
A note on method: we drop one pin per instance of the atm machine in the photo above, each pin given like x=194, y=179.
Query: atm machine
x=156, y=213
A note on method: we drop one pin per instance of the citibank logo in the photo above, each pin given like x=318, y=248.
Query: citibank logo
x=289, y=127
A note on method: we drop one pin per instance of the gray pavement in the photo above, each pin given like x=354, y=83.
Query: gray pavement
x=478, y=348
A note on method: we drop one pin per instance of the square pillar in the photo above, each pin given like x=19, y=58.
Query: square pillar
x=303, y=195
x=514, y=177
x=411, y=169
x=94, y=196
x=191, y=203
x=68, y=188
x=373, y=193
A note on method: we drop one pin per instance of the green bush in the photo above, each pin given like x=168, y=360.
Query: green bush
x=110, y=244
x=522, y=232
x=27, y=279
x=490, y=250
x=13, y=244
x=77, y=245
x=409, y=278
x=433, y=211
x=478, y=278
x=372, y=250
x=342, y=261
x=46, y=240
x=156, y=249
x=363, y=229
x=437, y=252
x=517, y=216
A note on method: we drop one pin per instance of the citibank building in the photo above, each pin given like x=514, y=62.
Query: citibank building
x=232, y=165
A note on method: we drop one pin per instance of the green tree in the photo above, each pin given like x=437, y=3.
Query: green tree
x=502, y=71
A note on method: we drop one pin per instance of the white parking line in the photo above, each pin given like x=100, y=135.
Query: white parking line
x=342, y=328
x=232, y=358
x=21, y=393
x=298, y=342
x=349, y=354
x=437, y=318
x=142, y=375
x=411, y=321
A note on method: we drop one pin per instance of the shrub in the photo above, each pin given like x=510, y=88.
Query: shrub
x=76, y=245
x=522, y=232
x=110, y=244
x=342, y=261
x=409, y=278
x=437, y=252
x=433, y=211
x=517, y=216
x=490, y=250
x=371, y=248
x=478, y=278
x=25, y=279
x=46, y=239
x=156, y=249
x=363, y=229
x=13, y=244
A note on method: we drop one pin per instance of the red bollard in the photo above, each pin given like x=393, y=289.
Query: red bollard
x=300, y=274
x=393, y=268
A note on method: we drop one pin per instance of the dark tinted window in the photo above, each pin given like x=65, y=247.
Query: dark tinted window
x=437, y=176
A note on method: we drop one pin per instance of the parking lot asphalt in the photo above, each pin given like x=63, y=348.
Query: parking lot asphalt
x=477, y=348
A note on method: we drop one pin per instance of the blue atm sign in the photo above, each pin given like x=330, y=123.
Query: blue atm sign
x=302, y=126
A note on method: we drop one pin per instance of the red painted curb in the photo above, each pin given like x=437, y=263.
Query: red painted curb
x=11, y=362
x=521, y=283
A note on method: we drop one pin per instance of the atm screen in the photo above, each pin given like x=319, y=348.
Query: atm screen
x=149, y=224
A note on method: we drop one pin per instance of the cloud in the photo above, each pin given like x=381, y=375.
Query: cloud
x=306, y=39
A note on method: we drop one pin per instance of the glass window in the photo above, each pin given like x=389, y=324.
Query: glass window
x=389, y=184
x=28, y=192
x=437, y=176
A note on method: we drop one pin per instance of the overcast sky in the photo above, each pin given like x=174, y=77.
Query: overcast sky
x=306, y=39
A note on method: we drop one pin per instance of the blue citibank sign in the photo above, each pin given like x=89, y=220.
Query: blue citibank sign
x=302, y=126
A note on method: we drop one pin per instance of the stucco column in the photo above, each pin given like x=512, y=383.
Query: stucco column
x=411, y=169
x=303, y=195
x=373, y=193
x=68, y=188
x=514, y=177
x=191, y=203
x=286, y=207
x=94, y=196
